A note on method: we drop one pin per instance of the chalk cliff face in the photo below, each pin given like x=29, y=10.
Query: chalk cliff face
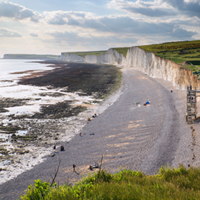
x=160, y=68
x=110, y=57
x=71, y=58
x=143, y=61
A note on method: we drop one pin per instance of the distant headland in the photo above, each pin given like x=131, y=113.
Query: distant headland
x=31, y=56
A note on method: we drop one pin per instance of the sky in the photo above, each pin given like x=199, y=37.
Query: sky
x=52, y=27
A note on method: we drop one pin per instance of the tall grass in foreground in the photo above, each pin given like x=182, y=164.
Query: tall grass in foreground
x=168, y=184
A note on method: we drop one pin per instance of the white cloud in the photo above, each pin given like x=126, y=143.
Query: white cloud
x=8, y=33
x=73, y=38
x=155, y=8
x=116, y=24
x=15, y=11
x=189, y=7
x=158, y=8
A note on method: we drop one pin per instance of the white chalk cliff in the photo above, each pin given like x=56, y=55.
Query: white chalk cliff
x=143, y=61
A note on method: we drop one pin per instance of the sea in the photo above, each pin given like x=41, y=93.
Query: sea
x=11, y=72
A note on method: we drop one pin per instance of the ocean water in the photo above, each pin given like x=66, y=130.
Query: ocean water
x=9, y=66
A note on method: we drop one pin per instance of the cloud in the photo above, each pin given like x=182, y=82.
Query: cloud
x=119, y=24
x=158, y=8
x=187, y=7
x=17, y=12
x=8, y=33
x=73, y=38
x=155, y=8
x=182, y=34
x=66, y=17
x=33, y=34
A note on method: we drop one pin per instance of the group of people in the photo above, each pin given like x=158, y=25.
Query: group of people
x=96, y=165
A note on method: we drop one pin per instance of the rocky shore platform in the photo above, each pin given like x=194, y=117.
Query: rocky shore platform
x=77, y=89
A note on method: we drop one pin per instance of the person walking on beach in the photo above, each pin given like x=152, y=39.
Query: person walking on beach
x=74, y=166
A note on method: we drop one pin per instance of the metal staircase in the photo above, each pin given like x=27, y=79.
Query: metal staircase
x=191, y=105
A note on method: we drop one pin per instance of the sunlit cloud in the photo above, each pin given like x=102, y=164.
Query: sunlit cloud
x=158, y=8
x=17, y=12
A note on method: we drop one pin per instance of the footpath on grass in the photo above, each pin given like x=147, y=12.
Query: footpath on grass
x=127, y=134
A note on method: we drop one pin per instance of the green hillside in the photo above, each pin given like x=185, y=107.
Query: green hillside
x=178, y=52
x=86, y=53
x=122, y=50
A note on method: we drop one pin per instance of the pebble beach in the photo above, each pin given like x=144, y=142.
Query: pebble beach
x=126, y=136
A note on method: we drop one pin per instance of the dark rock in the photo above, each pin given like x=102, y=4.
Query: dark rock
x=52, y=154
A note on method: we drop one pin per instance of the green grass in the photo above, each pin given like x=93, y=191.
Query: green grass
x=169, y=183
x=122, y=50
x=177, y=51
x=86, y=53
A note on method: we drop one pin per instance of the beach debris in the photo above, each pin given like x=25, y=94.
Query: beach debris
x=62, y=148
x=74, y=167
x=95, y=115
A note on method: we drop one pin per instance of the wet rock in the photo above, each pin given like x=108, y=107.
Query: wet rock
x=89, y=119
x=95, y=115
x=20, y=146
x=2, y=169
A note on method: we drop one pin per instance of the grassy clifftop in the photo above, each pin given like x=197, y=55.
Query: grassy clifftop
x=178, y=52
x=86, y=53
x=122, y=50
x=169, y=183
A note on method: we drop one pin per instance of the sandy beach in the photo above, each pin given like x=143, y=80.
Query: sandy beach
x=127, y=135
